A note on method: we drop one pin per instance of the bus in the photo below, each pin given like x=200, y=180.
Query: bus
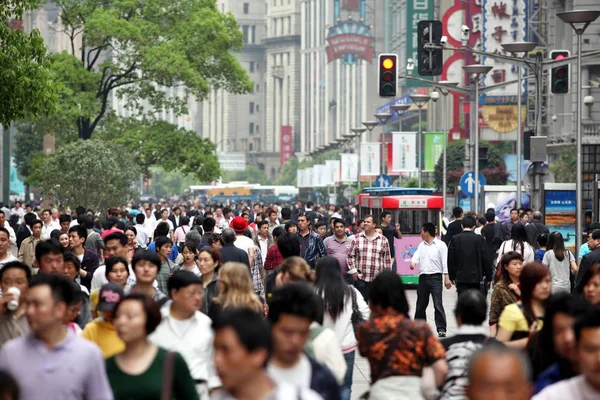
x=411, y=207
x=234, y=192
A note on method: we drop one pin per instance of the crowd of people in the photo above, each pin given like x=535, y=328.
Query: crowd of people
x=260, y=302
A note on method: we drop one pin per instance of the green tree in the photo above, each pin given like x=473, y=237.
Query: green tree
x=288, y=173
x=140, y=49
x=94, y=173
x=166, y=184
x=28, y=147
x=565, y=166
x=26, y=86
x=161, y=144
x=252, y=174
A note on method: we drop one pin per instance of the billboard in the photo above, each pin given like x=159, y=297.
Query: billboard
x=370, y=159
x=287, y=144
x=504, y=201
x=559, y=213
x=349, y=167
x=404, y=145
x=434, y=148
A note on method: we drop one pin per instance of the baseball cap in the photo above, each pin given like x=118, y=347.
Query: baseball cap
x=239, y=225
x=110, y=295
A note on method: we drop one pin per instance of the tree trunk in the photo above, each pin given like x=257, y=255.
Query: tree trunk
x=27, y=193
x=84, y=128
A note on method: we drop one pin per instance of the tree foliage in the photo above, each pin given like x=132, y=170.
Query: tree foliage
x=288, y=174
x=26, y=85
x=154, y=143
x=565, y=166
x=140, y=50
x=494, y=169
x=166, y=184
x=93, y=173
x=252, y=174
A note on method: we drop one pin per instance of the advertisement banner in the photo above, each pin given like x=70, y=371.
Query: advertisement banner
x=503, y=202
x=287, y=144
x=559, y=211
x=370, y=159
x=319, y=175
x=350, y=43
x=333, y=168
x=299, y=178
x=349, y=167
x=308, y=178
x=404, y=151
x=416, y=10
x=434, y=148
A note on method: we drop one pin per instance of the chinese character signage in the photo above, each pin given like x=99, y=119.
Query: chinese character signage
x=416, y=10
x=319, y=175
x=404, y=151
x=287, y=146
x=434, y=148
x=370, y=159
x=349, y=167
x=333, y=169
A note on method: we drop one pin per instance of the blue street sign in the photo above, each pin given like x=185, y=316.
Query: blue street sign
x=383, y=181
x=467, y=183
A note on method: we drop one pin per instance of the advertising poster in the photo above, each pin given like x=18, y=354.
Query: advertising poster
x=503, y=202
x=404, y=151
x=434, y=148
x=349, y=167
x=405, y=248
x=370, y=159
x=319, y=175
x=300, y=178
x=333, y=168
x=559, y=212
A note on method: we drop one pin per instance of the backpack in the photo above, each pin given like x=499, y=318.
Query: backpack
x=498, y=238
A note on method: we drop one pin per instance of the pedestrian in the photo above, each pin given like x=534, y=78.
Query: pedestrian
x=560, y=262
x=471, y=335
x=469, y=264
x=139, y=371
x=390, y=332
x=13, y=319
x=292, y=310
x=391, y=232
x=517, y=242
x=523, y=318
x=5, y=255
x=586, y=385
x=189, y=251
x=311, y=244
x=590, y=259
x=209, y=261
x=116, y=272
x=230, y=252
x=102, y=330
x=535, y=228
x=338, y=246
x=507, y=289
x=342, y=303
x=115, y=246
x=42, y=362
x=455, y=227
x=590, y=285
x=195, y=341
x=431, y=257
x=496, y=372
x=88, y=259
x=235, y=290
x=164, y=246
x=369, y=254
x=274, y=257
x=239, y=226
x=27, y=249
x=243, y=344
x=145, y=266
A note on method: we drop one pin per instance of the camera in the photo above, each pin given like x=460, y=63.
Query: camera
x=444, y=40
x=464, y=29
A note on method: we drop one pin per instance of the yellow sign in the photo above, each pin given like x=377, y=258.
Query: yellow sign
x=502, y=119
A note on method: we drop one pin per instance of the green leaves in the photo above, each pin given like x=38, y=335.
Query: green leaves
x=565, y=166
x=87, y=172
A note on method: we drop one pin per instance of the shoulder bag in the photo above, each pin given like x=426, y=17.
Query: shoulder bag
x=167, y=376
x=356, y=318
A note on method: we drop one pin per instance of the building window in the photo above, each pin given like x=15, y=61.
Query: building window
x=257, y=87
x=257, y=108
x=258, y=66
x=246, y=8
x=251, y=107
x=245, y=32
x=253, y=34
x=257, y=128
x=250, y=146
x=251, y=68
x=251, y=127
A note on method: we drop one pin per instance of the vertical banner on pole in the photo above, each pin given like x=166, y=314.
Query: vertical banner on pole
x=434, y=148
x=308, y=178
x=349, y=167
x=299, y=178
x=404, y=146
x=334, y=170
x=370, y=159
x=319, y=172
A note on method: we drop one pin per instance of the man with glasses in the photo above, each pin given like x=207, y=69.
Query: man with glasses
x=369, y=254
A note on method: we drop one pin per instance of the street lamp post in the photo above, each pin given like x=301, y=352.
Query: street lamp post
x=583, y=18
x=446, y=119
x=477, y=71
x=398, y=109
x=420, y=100
x=514, y=49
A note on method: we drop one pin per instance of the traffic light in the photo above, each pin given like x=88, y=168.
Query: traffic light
x=388, y=75
x=559, y=76
x=429, y=48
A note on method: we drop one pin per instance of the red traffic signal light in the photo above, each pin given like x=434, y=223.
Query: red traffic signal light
x=559, y=76
x=387, y=75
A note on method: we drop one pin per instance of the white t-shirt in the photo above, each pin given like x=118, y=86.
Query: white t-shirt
x=9, y=258
x=171, y=227
x=244, y=243
x=299, y=375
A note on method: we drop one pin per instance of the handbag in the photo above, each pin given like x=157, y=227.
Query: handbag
x=356, y=318
x=167, y=376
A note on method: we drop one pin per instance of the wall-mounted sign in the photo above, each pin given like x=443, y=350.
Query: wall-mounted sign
x=502, y=119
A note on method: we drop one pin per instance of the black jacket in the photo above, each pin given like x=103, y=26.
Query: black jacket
x=586, y=263
x=534, y=230
x=323, y=382
x=468, y=258
x=231, y=253
x=454, y=228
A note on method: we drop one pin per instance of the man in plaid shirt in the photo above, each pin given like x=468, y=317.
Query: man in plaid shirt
x=369, y=254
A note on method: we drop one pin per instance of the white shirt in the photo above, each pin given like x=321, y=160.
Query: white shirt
x=575, y=388
x=342, y=326
x=244, y=243
x=11, y=233
x=299, y=375
x=194, y=342
x=47, y=230
x=142, y=235
x=168, y=221
x=431, y=257
x=264, y=247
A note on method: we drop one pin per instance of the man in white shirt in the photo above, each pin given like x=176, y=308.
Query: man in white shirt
x=587, y=385
x=142, y=234
x=11, y=232
x=242, y=347
x=48, y=224
x=239, y=225
x=5, y=255
x=186, y=330
x=432, y=258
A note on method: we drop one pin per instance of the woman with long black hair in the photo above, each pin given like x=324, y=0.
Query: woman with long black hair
x=560, y=262
x=517, y=242
x=340, y=302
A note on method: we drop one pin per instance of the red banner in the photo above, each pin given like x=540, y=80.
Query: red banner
x=350, y=5
x=350, y=43
x=287, y=144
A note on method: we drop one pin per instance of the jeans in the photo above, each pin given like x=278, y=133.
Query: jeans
x=363, y=287
x=463, y=287
x=431, y=284
x=346, y=390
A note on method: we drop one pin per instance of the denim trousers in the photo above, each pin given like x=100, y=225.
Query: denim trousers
x=346, y=391
x=431, y=285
